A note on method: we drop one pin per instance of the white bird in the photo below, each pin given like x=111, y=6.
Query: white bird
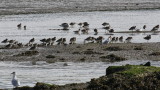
x=15, y=81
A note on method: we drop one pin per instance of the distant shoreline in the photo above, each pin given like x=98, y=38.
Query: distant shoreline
x=13, y=7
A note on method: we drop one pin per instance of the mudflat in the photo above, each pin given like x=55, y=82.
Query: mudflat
x=91, y=52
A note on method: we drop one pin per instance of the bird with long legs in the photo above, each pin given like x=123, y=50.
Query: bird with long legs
x=65, y=26
x=31, y=41
x=5, y=41
x=19, y=26
x=33, y=47
x=128, y=39
x=155, y=28
x=132, y=28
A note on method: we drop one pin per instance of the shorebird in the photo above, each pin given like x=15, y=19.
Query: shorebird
x=84, y=31
x=80, y=24
x=19, y=26
x=107, y=28
x=85, y=25
x=31, y=41
x=72, y=40
x=132, y=28
x=95, y=31
x=77, y=32
x=99, y=39
x=128, y=39
x=144, y=27
x=65, y=26
x=105, y=24
x=89, y=39
x=148, y=37
x=15, y=82
x=5, y=41
x=25, y=27
x=9, y=46
x=48, y=41
x=33, y=47
x=43, y=40
x=113, y=39
x=111, y=30
x=155, y=28
x=121, y=39
x=72, y=24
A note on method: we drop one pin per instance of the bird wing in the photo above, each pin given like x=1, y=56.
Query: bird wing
x=15, y=82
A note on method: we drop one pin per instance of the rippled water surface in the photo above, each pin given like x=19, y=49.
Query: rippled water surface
x=38, y=25
x=56, y=73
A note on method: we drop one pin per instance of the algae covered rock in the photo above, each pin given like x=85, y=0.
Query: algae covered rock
x=113, y=57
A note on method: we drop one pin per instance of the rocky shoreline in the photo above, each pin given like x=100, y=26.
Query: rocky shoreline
x=8, y=7
x=127, y=77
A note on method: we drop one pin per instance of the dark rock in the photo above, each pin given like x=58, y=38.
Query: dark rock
x=50, y=56
x=112, y=49
x=138, y=48
x=113, y=58
x=147, y=64
x=111, y=70
x=155, y=54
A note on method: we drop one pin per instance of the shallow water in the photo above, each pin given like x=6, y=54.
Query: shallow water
x=38, y=25
x=56, y=73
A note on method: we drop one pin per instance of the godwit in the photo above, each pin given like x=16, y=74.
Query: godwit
x=31, y=41
x=105, y=24
x=77, y=32
x=121, y=39
x=33, y=47
x=5, y=41
x=72, y=24
x=65, y=26
x=99, y=39
x=89, y=39
x=19, y=26
x=155, y=28
x=132, y=28
x=128, y=39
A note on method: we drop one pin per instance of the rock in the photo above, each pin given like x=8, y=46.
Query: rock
x=147, y=64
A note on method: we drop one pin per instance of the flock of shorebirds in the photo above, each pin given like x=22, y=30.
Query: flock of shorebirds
x=83, y=29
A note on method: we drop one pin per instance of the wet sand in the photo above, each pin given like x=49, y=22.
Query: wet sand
x=84, y=53
x=54, y=6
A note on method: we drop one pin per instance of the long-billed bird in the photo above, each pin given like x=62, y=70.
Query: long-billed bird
x=65, y=26
x=132, y=28
x=128, y=39
x=155, y=28
x=19, y=26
